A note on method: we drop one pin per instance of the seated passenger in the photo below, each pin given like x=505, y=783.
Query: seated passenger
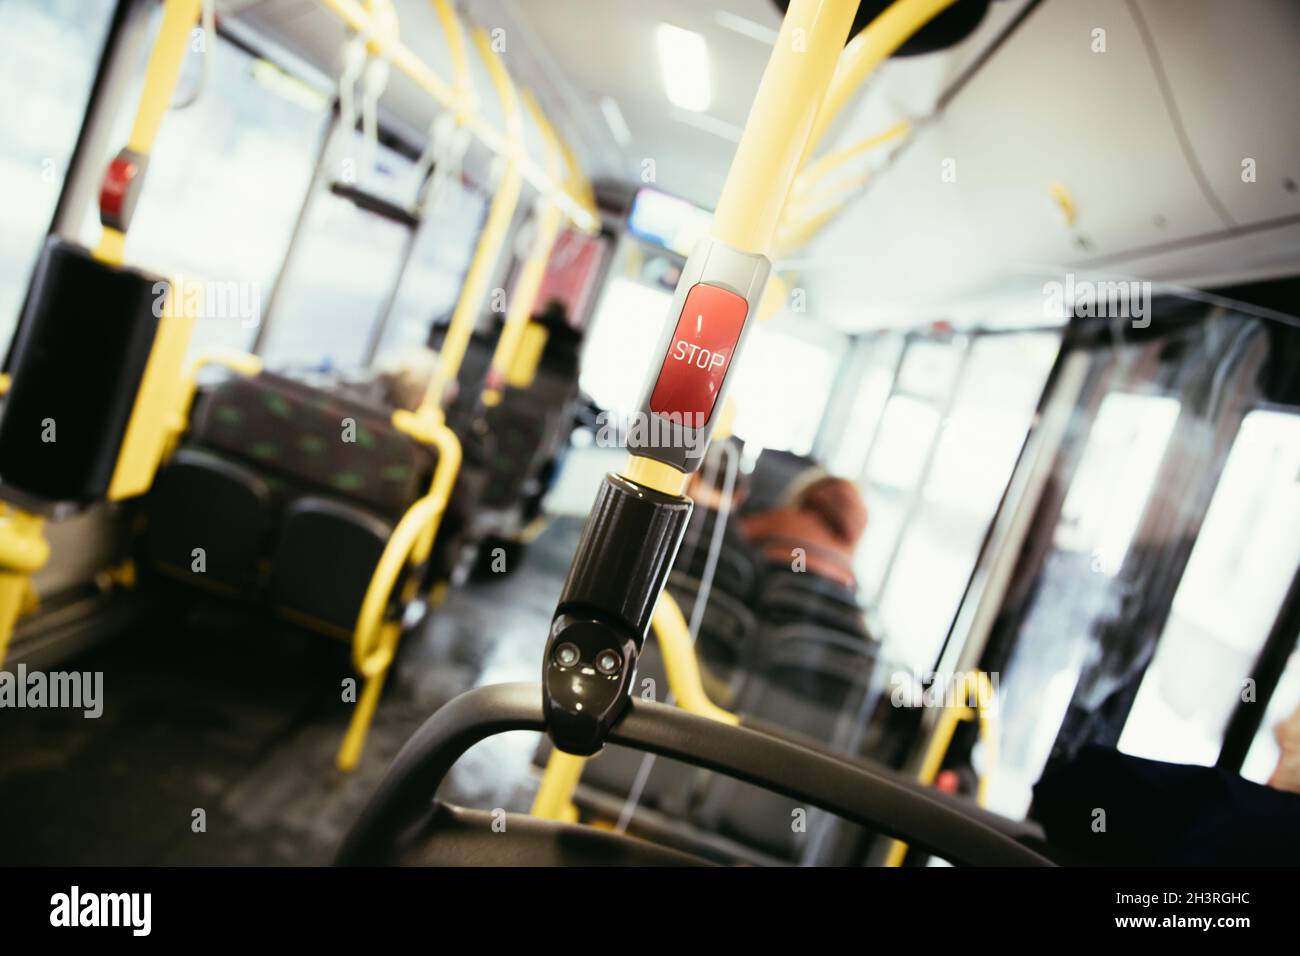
x=738, y=568
x=816, y=529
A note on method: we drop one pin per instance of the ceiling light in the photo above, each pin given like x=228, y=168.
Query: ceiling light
x=684, y=62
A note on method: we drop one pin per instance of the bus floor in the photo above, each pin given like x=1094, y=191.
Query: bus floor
x=217, y=737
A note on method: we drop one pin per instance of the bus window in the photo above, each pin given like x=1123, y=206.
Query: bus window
x=876, y=358
x=927, y=524
x=249, y=140
x=340, y=278
x=782, y=388
x=441, y=257
x=1115, y=478
x=1261, y=759
x=48, y=53
x=1229, y=595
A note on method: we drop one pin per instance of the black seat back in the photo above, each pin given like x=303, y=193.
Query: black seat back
x=78, y=361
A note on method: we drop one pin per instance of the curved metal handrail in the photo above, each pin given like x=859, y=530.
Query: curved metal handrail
x=907, y=811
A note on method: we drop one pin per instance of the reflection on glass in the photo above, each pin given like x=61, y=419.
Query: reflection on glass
x=1112, y=485
x=1228, y=597
x=48, y=53
x=850, y=456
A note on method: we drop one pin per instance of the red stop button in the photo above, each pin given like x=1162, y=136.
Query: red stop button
x=698, y=354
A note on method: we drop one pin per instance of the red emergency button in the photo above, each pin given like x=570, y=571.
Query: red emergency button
x=699, y=353
x=115, y=186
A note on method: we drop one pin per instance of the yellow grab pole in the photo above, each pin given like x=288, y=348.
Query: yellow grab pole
x=824, y=165
x=23, y=552
x=578, y=208
x=179, y=17
x=374, y=640
x=768, y=156
x=451, y=29
x=795, y=234
x=785, y=108
x=529, y=283
x=976, y=683
x=500, y=214
x=674, y=637
x=554, y=798
x=868, y=50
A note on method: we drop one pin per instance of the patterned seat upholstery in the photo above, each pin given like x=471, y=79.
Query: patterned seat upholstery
x=334, y=476
x=303, y=438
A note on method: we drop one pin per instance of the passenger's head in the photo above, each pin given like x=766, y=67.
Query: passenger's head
x=708, y=485
x=835, y=502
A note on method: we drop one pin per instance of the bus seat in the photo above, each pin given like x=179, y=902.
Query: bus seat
x=230, y=526
x=323, y=561
x=809, y=681
x=315, y=440
x=337, y=475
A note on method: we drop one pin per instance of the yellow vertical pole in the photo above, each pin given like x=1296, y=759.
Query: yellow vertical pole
x=179, y=17
x=780, y=121
x=500, y=214
x=768, y=156
x=978, y=685
x=529, y=283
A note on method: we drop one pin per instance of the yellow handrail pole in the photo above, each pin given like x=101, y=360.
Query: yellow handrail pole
x=795, y=234
x=23, y=552
x=815, y=200
x=554, y=798
x=578, y=209
x=767, y=158
x=866, y=51
x=529, y=283
x=179, y=17
x=976, y=683
x=794, y=84
x=462, y=84
x=500, y=214
x=23, y=548
x=374, y=640
x=821, y=167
